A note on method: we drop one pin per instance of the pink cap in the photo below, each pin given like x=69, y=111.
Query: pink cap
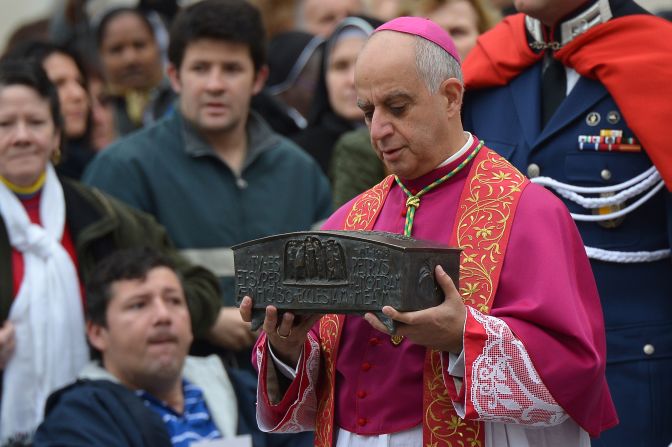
x=425, y=28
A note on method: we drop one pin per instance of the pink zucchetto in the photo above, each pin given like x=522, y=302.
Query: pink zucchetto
x=425, y=28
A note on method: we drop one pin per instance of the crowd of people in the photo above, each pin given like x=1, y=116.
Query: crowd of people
x=138, y=144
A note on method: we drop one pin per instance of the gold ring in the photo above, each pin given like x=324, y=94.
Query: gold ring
x=284, y=337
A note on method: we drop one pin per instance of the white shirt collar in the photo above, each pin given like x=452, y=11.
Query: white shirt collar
x=463, y=149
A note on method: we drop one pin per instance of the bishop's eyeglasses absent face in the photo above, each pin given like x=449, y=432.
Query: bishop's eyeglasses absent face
x=406, y=121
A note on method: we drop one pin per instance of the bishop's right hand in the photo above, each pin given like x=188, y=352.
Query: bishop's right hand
x=286, y=334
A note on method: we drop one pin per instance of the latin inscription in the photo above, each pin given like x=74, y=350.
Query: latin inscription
x=363, y=279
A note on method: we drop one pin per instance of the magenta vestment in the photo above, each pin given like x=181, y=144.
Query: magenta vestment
x=546, y=295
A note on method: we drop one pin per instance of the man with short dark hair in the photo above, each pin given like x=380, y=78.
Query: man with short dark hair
x=144, y=390
x=213, y=173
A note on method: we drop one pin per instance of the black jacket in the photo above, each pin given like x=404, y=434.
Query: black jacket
x=102, y=413
x=99, y=225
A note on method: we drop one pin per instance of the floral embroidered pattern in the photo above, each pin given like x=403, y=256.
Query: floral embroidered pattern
x=481, y=227
x=502, y=390
x=442, y=426
x=330, y=326
x=365, y=210
x=483, y=222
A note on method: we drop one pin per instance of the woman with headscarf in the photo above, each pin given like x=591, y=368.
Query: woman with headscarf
x=334, y=109
x=130, y=58
x=293, y=67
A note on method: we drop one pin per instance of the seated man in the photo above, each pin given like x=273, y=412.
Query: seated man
x=143, y=390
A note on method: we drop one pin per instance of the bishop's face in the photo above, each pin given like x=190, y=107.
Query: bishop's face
x=407, y=123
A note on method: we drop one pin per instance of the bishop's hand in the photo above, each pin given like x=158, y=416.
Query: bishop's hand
x=286, y=334
x=440, y=327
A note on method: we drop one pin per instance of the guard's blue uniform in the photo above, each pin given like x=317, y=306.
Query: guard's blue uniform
x=636, y=297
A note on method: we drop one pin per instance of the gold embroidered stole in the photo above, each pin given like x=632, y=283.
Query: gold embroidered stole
x=362, y=216
x=482, y=227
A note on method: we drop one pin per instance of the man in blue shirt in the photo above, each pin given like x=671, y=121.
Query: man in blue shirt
x=144, y=390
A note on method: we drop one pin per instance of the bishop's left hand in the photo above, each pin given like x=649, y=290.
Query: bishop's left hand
x=440, y=327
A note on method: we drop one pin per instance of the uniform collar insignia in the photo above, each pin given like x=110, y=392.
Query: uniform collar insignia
x=599, y=12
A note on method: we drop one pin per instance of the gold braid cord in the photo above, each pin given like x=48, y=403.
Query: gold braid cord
x=482, y=227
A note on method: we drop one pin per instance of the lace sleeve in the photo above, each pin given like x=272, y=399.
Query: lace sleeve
x=296, y=411
x=500, y=382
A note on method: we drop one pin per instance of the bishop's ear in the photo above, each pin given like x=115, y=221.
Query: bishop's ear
x=453, y=90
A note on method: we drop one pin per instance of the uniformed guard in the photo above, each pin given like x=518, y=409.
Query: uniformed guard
x=574, y=93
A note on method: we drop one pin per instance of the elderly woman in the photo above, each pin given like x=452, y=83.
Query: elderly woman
x=334, y=109
x=65, y=71
x=52, y=232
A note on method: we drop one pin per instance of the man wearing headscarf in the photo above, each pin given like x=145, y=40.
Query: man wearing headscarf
x=515, y=354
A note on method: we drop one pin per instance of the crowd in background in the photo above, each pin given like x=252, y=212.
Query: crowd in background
x=110, y=62
x=109, y=68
